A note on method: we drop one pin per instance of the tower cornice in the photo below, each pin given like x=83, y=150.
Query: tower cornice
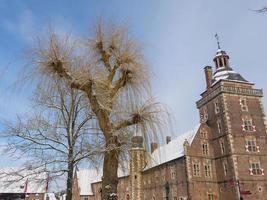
x=229, y=90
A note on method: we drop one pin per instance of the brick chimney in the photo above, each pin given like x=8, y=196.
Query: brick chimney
x=208, y=74
x=168, y=139
x=154, y=146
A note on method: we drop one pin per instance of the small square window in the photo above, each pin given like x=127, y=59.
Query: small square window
x=255, y=169
x=251, y=145
x=248, y=125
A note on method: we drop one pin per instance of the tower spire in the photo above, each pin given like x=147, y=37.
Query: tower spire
x=218, y=41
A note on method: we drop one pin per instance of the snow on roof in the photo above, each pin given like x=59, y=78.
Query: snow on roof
x=223, y=74
x=172, y=150
x=227, y=74
x=10, y=181
x=88, y=176
x=163, y=154
x=85, y=178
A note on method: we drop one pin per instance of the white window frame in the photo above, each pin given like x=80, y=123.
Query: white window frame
x=207, y=170
x=197, y=170
x=255, y=169
x=248, y=125
x=251, y=145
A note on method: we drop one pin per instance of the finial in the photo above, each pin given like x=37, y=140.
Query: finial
x=218, y=42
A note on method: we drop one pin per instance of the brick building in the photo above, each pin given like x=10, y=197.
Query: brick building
x=224, y=157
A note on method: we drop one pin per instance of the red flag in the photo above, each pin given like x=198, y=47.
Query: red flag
x=26, y=186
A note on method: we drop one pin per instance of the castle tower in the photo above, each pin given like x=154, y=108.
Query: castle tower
x=137, y=164
x=232, y=107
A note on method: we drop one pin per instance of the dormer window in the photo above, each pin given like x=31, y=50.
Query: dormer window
x=243, y=104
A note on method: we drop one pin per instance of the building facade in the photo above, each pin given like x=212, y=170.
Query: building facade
x=224, y=157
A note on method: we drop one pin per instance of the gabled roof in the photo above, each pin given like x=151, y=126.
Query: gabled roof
x=172, y=150
x=11, y=181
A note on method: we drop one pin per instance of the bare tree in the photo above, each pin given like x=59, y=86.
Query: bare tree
x=110, y=70
x=56, y=137
x=261, y=10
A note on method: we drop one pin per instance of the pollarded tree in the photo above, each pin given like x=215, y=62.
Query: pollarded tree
x=55, y=138
x=109, y=68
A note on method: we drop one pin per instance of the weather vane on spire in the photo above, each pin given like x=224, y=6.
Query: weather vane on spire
x=218, y=42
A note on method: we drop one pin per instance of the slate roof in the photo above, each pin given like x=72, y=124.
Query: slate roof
x=227, y=74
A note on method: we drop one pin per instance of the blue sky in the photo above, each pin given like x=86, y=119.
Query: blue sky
x=177, y=37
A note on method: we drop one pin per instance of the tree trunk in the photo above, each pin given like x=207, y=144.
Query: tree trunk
x=69, y=181
x=110, y=176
